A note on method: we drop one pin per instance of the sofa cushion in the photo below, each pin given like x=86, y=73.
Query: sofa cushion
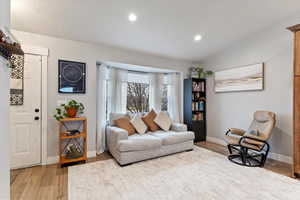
x=138, y=124
x=171, y=137
x=115, y=116
x=139, y=142
x=125, y=124
x=163, y=121
x=149, y=121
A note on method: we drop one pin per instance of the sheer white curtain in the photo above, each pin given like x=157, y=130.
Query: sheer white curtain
x=174, y=88
x=102, y=77
x=117, y=90
x=111, y=97
x=155, y=95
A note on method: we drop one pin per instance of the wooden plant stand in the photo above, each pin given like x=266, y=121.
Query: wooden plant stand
x=80, y=139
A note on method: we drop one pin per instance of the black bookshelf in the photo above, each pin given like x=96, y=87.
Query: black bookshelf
x=195, y=107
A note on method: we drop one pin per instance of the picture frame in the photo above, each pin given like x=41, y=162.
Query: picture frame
x=71, y=77
x=239, y=79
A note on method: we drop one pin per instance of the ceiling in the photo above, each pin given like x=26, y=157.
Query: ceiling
x=164, y=27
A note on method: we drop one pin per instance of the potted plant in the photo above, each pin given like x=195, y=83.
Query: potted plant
x=70, y=109
x=201, y=73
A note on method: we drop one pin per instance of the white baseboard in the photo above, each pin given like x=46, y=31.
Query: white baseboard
x=274, y=156
x=91, y=154
x=280, y=157
x=55, y=159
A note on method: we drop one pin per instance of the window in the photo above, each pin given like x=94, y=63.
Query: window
x=138, y=87
x=164, y=99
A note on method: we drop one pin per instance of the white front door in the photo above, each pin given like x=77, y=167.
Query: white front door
x=25, y=120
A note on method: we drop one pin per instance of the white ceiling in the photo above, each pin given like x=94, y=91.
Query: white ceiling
x=164, y=27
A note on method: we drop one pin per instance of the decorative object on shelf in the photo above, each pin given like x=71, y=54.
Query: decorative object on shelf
x=72, y=142
x=71, y=109
x=71, y=78
x=16, y=80
x=72, y=132
x=246, y=78
x=199, y=72
x=73, y=151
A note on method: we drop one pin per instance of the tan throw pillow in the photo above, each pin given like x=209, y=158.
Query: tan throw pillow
x=124, y=123
x=149, y=121
x=138, y=124
x=163, y=121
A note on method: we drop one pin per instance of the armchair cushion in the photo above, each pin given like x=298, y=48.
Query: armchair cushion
x=138, y=142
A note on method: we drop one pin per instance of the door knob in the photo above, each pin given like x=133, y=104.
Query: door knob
x=36, y=118
x=36, y=110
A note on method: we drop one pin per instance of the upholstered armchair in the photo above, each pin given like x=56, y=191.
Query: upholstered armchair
x=250, y=148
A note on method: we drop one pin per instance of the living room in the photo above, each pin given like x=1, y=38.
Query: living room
x=163, y=93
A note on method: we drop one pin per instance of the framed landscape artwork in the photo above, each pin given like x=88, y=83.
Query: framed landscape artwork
x=246, y=78
x=71, y=77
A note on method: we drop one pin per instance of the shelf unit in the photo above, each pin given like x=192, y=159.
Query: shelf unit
x=80, y=139
x=195, y=107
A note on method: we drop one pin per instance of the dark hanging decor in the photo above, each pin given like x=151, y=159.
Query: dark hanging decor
x=12, y=51
x=17, y=80
x=71, y=77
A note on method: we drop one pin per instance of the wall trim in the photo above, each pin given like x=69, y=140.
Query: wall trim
x=55, y=159
x=274, y=156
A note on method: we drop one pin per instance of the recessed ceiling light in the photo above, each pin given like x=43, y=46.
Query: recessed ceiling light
x=132, y=17
x=197, y=38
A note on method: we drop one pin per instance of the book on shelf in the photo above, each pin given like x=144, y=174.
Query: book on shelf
x=198, y=87
x=198, y=117
x=198, y=106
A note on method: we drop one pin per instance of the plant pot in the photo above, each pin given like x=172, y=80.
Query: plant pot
x=71, y=112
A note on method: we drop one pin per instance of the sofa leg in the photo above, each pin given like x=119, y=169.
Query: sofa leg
x=125, y=165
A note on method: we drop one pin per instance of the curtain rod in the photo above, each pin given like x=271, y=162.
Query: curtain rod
x=141, y=72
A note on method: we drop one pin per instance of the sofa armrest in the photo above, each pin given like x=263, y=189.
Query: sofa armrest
x=115, y=134
x=178, y=127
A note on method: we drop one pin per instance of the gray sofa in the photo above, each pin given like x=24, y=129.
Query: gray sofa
x=129, y=149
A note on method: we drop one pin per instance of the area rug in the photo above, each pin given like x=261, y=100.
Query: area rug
x=197, y=175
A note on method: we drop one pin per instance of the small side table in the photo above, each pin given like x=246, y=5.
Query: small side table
x=79, y=139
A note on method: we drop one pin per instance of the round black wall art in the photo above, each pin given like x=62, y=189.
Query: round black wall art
x=71, y=77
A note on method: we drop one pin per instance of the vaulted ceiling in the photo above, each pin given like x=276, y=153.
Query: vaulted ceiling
x=164, y=27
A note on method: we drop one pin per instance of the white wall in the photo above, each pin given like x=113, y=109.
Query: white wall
x=4, y=110
x=90, y=54
x=274, y=46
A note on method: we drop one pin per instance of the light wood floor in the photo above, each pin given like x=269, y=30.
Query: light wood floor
x=51, y=182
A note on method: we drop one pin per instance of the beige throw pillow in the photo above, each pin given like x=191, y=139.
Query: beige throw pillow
x=138, y=124
x=124, y=123
x=149, y=121
x=163, y=121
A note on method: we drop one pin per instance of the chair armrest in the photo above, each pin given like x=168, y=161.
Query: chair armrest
x=115, y=134
x=236, y=131
x=254, y=140
x=178, y=127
